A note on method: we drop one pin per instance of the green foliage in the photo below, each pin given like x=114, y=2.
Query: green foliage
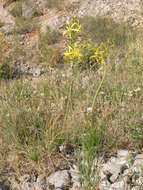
x=49, y=52
x=86, y=54
x=1, y=24
x=50, y=37
x=11, y=1
x=91, y=149
x=24, y=25
x=55, y=4
x=5, y=71
x=17, y=10
x=103, y=29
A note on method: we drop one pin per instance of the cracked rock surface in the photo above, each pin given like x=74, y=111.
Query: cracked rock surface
x=123, y=171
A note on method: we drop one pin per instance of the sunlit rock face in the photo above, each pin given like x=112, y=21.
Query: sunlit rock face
x=119, y=10
x=6, y=18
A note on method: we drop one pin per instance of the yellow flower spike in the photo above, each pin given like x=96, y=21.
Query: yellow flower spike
x=73, y=52
x=99, y=54
x=72, y=28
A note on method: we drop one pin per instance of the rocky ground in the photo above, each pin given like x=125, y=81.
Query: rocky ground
x=121, y=171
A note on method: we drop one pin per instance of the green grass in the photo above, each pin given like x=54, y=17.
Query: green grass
x=24, y=25
x=17, y=10
x=1, y=24
x=58, y=4
x=32, y=116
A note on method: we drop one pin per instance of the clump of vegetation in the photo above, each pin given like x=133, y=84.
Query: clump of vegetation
x=96, y=55
x=1, y=24
x=5, y=71
x=24, y=25
x=7, y=2
x=55, y=4
x=17, y=10
x=50, y=53
x=37, y=119
x=85, y=53
x=49, y=37
x=103, y=29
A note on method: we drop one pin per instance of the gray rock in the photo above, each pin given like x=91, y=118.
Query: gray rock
x=104, y=185
x=27, y=9
x=75, y=179
x=123, y=154
x=138, y=163
x=59, y=179
x=118, y=186
x=139, y=156
x=112, y=170
x=7, y=19
x=85, y=81
x=36, y=72
x=119, y=10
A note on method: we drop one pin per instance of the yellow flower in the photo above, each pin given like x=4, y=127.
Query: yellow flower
x=73, y=52
x=73, y=27
x=98, y=56
x=130, y=93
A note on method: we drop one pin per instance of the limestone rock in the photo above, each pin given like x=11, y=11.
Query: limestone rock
x=7, y=19
x=27, y=9
x=59, y=179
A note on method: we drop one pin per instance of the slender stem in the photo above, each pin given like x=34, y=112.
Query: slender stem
x=95, y=96
x=69, y=95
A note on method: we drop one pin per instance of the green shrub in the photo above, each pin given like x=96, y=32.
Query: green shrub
x=51, y=56
x=55, y=3
x=50, y=37
x=102, y=29
x=50, y=52
x=5, y=71
x=24, y=25
x=17, y=10
x=1, y=24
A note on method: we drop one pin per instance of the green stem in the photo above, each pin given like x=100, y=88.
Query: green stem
x=69, y=101
x=95, y=96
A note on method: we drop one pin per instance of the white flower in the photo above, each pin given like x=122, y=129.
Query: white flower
x=89, y=109
x=137, y=89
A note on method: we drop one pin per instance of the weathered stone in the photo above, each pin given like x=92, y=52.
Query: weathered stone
x=138, y=163
x=36, y=72
x=112, y=170
x=123, y=154
x=119, y=10
x=27, y=9
x=7, y=19
x=59, y=179
x=75, y=179
x=104, y=185
x=139, y=156
x=118, y=186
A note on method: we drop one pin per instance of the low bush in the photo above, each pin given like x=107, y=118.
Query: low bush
x=24, y=25
x=55, y=4
x=17, y=10
x=5, y=71
x=103, y=29
x=1, y=24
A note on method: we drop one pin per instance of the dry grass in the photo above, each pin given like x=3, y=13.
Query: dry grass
x=31, y=118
